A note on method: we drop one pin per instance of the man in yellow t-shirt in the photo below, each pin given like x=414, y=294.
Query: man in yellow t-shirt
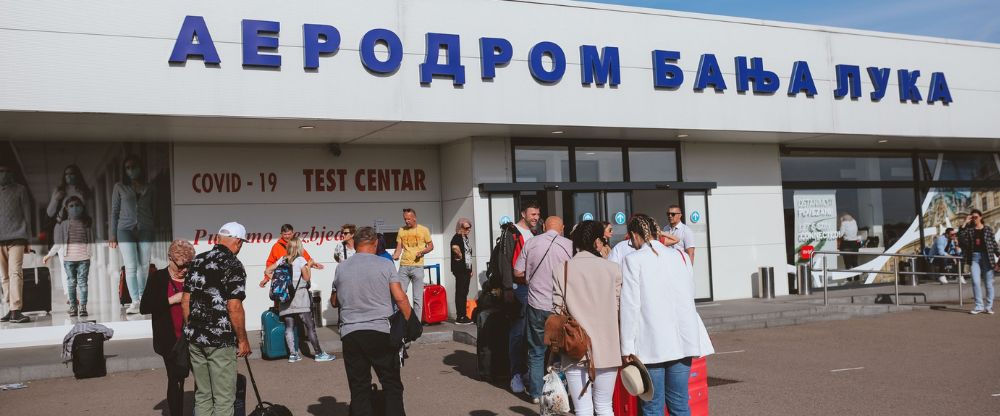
x=412, y=243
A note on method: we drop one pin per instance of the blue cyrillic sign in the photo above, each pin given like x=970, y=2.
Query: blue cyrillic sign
x=600, y=65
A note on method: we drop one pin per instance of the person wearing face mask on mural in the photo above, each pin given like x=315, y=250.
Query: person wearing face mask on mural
x=71, y=184
x=131, y=228
x=73, y=244
x=15, y=214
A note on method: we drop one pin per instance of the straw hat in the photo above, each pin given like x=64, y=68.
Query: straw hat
x=636, y=380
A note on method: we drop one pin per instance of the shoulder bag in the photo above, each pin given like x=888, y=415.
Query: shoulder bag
x=564, y=334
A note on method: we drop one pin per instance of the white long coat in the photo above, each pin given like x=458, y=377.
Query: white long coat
x=658, y=318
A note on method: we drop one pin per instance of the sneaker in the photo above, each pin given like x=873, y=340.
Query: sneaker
x=73, y=311
x=989, y=311
x=963, y=281
x=943, y=280
x=293, y=357
x=17, y=317
x=323, y=357
x=83, y=310
x=536, y=400
x=463, y=321
x=6, y=318
x=516, y=385
x=132, y=309
x=976, y=312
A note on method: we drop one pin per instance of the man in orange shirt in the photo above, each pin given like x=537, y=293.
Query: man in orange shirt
x=279, y=250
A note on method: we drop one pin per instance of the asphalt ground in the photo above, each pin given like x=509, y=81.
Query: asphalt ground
x=914, y=363
x=935, y=362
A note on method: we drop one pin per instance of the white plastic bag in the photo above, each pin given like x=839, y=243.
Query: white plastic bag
x=555, y=400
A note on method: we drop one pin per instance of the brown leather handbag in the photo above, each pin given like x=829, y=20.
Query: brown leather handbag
x=563, y=334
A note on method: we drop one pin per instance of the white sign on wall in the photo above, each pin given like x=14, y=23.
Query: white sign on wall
x=306, y=186
x=816, y=224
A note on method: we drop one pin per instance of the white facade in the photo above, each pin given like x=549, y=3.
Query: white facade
x=100, y=72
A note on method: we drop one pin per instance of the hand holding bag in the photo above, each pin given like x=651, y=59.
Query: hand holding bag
x=554, y=400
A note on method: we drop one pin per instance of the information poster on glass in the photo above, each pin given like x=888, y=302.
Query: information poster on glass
x=816, y=225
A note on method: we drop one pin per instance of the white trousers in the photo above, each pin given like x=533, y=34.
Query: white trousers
x=597, y=399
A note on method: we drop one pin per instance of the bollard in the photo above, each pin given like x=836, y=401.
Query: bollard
x=914, y=278
x=765, y=277
x=803, y=278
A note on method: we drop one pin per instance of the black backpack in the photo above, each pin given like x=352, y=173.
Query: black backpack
x=499, y=269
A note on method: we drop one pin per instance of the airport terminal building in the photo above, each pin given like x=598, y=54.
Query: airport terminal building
x=769, y=135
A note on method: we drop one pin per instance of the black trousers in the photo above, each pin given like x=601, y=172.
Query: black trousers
x=363, y=351
x=175, y=391
x=462, y=280
x=850, y=261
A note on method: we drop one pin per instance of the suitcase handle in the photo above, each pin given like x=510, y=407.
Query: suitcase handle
x=437, y=270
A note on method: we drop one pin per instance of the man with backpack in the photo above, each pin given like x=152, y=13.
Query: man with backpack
x=280, y=249
x=365, y=288
x=539, y=258
x=518, y=294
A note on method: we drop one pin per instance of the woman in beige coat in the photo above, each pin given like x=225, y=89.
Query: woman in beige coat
x=591, y=292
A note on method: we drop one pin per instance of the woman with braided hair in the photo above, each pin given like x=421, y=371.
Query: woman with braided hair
x=588, y=286
x=659, y=323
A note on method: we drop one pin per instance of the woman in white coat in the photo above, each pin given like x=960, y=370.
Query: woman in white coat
x=659, y=323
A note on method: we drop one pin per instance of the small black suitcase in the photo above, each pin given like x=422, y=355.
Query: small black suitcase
x=36, y=294
x=88, y=355
x=492, y=328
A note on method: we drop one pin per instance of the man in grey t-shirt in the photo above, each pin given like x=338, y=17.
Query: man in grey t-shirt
x=365, y=286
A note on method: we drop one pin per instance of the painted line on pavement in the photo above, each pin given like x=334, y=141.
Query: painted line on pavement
x=846, y=369
x=730, y=352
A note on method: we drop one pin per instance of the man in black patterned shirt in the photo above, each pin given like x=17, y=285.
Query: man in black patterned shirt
x=216, y=323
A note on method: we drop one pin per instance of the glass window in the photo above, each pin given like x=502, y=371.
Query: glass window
x=959, y=166
x=541, y=164
x=870, y=221
x=652, y=164
x=827, y=166
x=599, y=164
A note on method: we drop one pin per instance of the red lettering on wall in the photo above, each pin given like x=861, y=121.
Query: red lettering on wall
x=357, y=180
x=418, y=178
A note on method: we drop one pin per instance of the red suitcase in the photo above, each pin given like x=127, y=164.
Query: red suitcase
x=625, y=404
x=435, y=304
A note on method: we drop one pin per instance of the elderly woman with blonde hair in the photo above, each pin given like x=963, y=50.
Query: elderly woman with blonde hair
x=461, y=267
x=162, y=299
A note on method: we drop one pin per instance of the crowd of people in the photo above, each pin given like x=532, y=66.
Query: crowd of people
x=637, y=307
x=634, y=299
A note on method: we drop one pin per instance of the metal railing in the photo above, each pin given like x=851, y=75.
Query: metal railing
x=895, y=270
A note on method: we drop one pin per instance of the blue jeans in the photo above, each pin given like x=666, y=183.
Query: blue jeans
x=535, y=332
x=135, y=246
x=517, y=348
x=981, y=269
x=670, y=388
x=76, y=280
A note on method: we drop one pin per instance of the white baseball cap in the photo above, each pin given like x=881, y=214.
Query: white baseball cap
x=234, y=229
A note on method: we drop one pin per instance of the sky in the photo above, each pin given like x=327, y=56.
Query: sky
x=977, y=20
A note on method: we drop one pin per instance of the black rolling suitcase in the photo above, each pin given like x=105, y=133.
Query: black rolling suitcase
x=36, y=294
x=88, y=355
x=492, y=328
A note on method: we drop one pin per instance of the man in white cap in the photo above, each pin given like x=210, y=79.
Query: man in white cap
x=216, y=323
